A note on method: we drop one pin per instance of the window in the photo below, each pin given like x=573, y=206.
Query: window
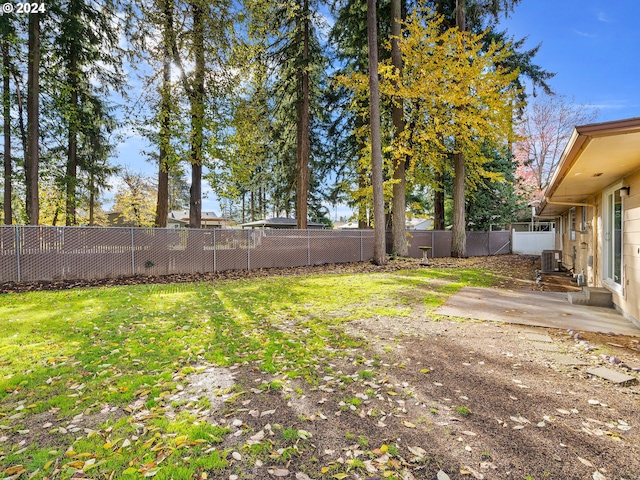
x=572, y=224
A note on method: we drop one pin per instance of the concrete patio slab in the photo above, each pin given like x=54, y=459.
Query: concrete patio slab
x=546, y=347
x=568, y=360
x=541, y=309
x=536, y=337
x=612, y=376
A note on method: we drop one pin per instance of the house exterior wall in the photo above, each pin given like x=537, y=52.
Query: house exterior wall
x=576, y=241
x=629, y=301
x=584, y=250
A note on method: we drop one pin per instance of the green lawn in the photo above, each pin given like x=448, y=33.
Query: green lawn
x=93, y=351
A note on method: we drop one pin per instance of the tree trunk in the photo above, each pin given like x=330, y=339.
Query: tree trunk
x=399, y=202
x=379, y=242
x=197, y=119
x=438, y=204
x=363, y=216
x=32, y=153
x=459, y=235
x=20, y=105
x=72, y=158
x=92, y=200
x=302, y=131
x=6, y=108
x=162, y=201
x=253, y=206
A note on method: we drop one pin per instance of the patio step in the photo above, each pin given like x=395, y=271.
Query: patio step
x=592, y=296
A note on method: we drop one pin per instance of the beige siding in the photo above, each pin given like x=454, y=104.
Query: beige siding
x=629, y=301
x=577, y=251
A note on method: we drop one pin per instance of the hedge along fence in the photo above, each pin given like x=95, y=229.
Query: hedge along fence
x=45, y=253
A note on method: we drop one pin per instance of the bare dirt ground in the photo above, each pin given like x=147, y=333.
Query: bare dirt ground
x=453, y=399
x=438, y=398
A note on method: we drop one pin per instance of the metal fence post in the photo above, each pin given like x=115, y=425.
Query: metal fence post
x=361, y=259
x=248, y=249
x=133, y=255
x=215, y=267
x=17, y=236
x=308, y=247
x=433, y=243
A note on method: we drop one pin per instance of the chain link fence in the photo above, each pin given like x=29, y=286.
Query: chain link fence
x=45, y=253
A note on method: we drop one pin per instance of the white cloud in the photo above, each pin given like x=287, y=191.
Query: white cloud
x=584, y=34
x=603, y=17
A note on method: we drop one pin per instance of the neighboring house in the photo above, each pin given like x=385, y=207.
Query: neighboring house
x=346, y=225
x=594, y=196
x=281, y=223
x=180, y=218
x=420, y=224
x=176, y=219
x=413, y=224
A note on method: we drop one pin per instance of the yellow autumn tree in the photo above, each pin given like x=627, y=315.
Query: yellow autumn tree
x=462, y=99
x=457, y=98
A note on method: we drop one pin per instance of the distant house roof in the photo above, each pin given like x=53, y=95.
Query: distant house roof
x=420, y=223
x=347, y=225
x=207, y=219
x=280, y=222
x=184, y=215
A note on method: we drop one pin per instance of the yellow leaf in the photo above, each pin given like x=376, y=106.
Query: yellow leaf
x=384, y=448
x=408, y=424
x=324, y=470
x=392, y=393
x=15, y=470
x=94, y=465
x=77, y=464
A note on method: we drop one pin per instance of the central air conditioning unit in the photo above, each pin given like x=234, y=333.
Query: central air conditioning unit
x=551, y=261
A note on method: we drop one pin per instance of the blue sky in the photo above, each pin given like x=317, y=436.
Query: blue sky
x=593, y=46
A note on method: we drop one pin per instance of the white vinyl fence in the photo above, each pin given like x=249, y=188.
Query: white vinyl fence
x=532, y=243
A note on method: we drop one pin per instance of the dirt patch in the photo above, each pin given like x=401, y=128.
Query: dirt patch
x=466, y=399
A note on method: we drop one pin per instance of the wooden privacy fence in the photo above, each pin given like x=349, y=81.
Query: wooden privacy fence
x=45, y=253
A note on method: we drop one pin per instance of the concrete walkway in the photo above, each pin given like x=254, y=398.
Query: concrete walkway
x=542, y=309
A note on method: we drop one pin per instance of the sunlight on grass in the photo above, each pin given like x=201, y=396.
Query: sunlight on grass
x=110, y=353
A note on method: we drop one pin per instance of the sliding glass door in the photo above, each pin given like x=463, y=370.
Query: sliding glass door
x=612, y=233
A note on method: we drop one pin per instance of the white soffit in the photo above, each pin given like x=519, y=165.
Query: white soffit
x=594, y=161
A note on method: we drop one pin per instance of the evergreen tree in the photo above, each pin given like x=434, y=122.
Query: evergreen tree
x=32, y=150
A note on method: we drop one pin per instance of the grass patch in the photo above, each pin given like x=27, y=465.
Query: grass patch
x=462, y=411
x=118, y=355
